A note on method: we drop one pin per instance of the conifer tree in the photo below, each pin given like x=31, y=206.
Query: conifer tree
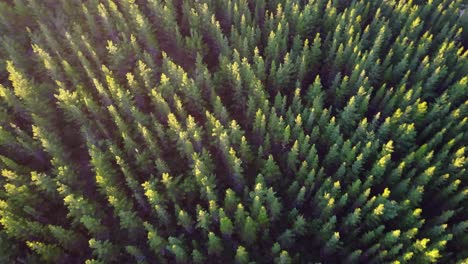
x=276, y=131
x=242, y=256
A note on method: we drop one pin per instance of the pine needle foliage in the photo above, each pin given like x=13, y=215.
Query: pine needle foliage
x=236, y=131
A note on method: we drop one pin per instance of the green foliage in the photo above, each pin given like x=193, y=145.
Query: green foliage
x=226, y=226
x=249, y=231
x=242, y=257
x=103, y=250
x=233, y=131
x=215, y=246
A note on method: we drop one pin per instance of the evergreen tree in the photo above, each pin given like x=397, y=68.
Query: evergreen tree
x=242, y=256
x=214, y=244
x=241, y=131
x=226, y=226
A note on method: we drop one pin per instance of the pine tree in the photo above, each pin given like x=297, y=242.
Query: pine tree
x=104, y=250
x=226, y=226
x=214, y=244
x=176, y=131
x=48, y=253
x=178, y=251
x=284, y=258
x=249, y=231
x=184, y=220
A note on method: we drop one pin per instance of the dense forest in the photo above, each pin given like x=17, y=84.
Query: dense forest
x=234, y=131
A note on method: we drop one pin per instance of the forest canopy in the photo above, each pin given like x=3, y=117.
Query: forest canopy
x=234, y=131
